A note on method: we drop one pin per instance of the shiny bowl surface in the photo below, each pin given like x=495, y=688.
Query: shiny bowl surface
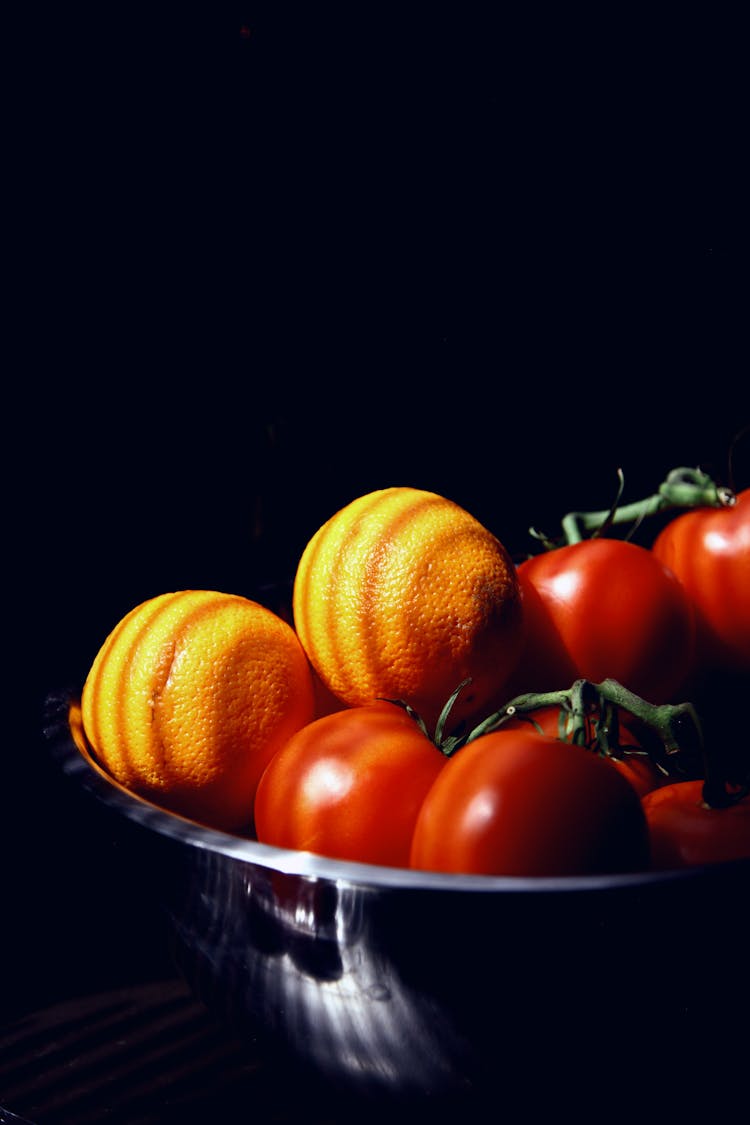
x=407, y=984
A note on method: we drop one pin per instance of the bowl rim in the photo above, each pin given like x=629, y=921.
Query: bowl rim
x=79, y=766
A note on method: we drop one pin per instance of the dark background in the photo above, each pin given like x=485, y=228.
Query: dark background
x=263, y=266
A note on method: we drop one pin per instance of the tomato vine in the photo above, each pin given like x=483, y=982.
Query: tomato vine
x=677, y=727
x=683, y=488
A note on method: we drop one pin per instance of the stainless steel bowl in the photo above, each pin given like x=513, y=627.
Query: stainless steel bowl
x=418, y=985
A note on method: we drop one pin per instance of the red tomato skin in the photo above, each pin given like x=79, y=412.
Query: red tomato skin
x=349, y=785
x=521, y=803
x=604, y=608
x=709, y=551
x=684, y=833
x=640, y=771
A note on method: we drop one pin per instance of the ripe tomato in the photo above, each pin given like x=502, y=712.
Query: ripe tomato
x=515, y=802
x=640, y=770
x=349, y=785
x=685, y=832
x=604, y=608
x=709, y=551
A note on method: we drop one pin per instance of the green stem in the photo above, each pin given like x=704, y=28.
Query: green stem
x=530, y=701
x=676, y=724
x=683, y=488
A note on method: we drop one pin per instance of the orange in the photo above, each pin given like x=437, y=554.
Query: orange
x=190, y=696
x=403, y=594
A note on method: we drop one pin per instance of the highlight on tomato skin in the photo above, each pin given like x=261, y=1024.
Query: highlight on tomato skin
x=685, y=832
x=604, y=608
x=516, y=802
x=708, y=549
x=349, y=786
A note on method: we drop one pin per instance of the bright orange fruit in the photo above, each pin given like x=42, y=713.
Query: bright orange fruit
x=403, y=594
x=190, y=696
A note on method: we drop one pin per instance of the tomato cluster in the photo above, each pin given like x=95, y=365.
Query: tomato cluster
x=652, y=618
x=551, y=791
x=368, y=784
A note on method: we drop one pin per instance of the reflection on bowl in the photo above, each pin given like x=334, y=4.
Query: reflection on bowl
x=417, y=984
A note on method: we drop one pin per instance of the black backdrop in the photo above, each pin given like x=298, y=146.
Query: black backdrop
x=263, y=270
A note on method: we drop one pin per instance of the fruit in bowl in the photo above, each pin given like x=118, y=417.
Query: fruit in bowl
x=190, y=696
x=410, y=623
x=388, y=971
